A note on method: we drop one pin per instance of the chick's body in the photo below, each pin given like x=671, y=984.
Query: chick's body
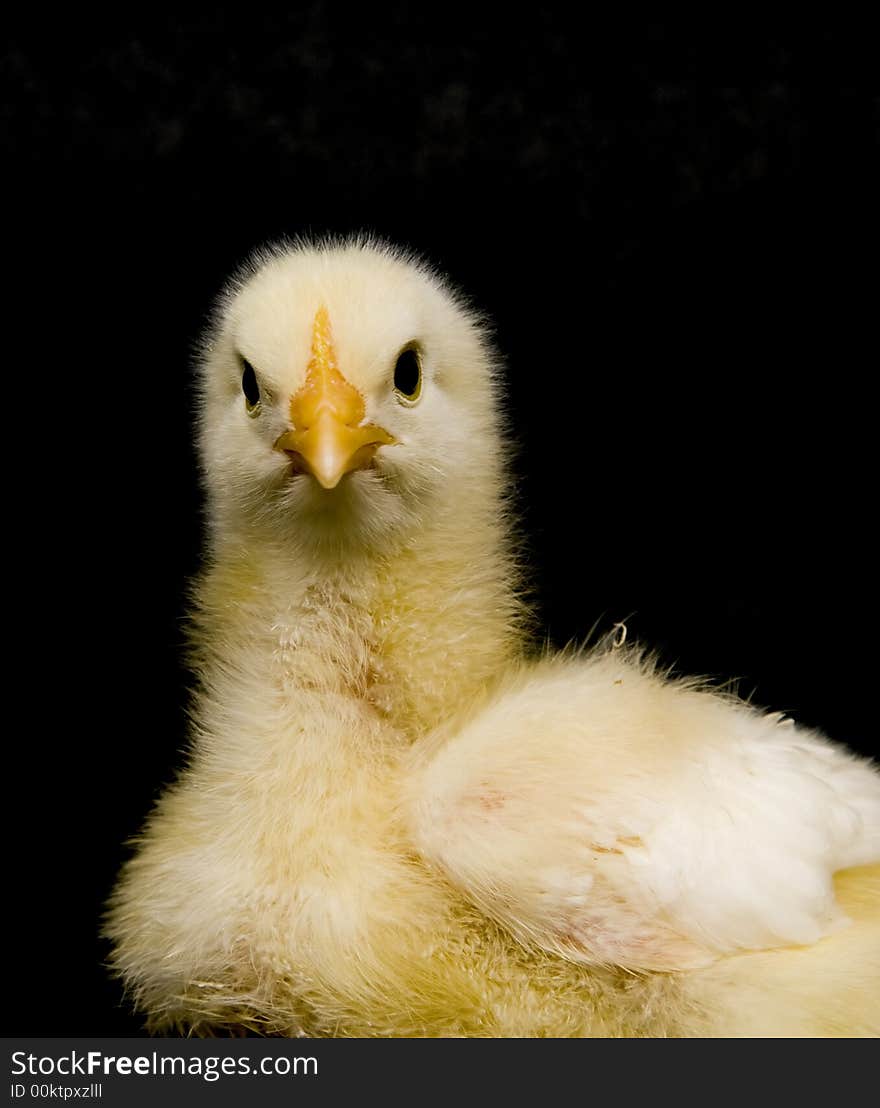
x=391, y=823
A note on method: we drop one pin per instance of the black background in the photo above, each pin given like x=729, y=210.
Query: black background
x=683, y=275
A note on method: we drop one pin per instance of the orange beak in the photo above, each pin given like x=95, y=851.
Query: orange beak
x=327, y=439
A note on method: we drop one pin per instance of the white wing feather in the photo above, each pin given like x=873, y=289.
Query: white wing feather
x=604, y=813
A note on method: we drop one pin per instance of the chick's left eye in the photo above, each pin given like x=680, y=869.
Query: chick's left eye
x=408, y=374
x=250, y=387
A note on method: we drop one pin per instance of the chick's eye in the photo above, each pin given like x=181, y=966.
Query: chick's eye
x=250, y=388
x=408, y=374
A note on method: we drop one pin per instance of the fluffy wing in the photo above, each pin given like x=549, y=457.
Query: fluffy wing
x=601, y=812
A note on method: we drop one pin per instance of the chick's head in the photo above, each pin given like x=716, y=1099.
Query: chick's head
x=346, y=394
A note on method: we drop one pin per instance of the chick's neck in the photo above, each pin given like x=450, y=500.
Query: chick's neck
x=409, y=634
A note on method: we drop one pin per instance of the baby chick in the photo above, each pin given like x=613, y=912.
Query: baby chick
x=393, y=822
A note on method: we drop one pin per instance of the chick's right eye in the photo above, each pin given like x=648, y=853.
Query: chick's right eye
x=250, y=388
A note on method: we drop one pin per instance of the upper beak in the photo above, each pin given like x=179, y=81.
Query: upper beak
x=328, y=439
x=330, y=447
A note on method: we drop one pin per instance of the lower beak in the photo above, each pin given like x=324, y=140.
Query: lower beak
x=330, y=448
